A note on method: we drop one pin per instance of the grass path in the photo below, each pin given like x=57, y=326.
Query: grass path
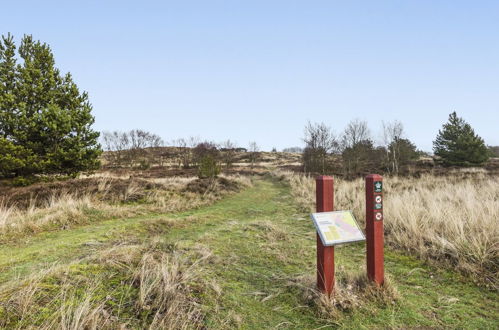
x=263, y=246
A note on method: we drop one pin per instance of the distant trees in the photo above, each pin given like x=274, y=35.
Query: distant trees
x=399, y=151
x=254, y=153
x=361, y=158
x=354, y=152
x=458, y=145
x=355, y=132
x=131, y=148
x=183, y=152
x=207, y=158
x=494, y=151
x=293, y=150
x=357, y=154
x=358, y=151
x=320, y=142
x=205, y=149
x=228, y=150
x=45, y=121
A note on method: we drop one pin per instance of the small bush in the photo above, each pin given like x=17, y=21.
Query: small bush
x=208, y=168
x=22, y=181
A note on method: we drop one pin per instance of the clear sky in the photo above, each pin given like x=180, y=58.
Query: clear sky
x=259, y=70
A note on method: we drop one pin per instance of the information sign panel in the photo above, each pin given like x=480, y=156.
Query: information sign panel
x=337, y=227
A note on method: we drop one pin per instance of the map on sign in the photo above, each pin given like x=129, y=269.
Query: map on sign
x=337, y=227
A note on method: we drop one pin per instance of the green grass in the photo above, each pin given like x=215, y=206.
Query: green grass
x=263, y=245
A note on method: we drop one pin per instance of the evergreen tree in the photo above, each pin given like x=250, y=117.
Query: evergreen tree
x=361, y=158
x=43, y=112
x=400, y=152
x=208, y=167
x=458, y=145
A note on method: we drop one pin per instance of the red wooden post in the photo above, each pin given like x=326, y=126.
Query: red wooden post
x=325, y=254
x=374, y=228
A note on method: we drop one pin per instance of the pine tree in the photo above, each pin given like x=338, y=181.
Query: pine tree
x=43, y=111
x=458, y=145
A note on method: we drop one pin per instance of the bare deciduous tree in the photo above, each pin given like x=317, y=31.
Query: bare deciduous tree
x=228, y=152
x=355, y=132
x=115, y=143
x=357, y=147
x=399, y=151
x=184, y=150
x=254, y=153
x=320, y=141
x=130, y=147
x=392, y=132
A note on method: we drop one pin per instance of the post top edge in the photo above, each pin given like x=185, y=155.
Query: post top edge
x=324, y=177
x=374, y=176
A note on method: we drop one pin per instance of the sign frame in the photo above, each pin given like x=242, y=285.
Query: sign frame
x=339, y=242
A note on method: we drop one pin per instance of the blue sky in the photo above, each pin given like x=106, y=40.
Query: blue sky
x=259, y=70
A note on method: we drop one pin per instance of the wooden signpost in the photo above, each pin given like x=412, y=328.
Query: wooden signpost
x=324, y=189
x=340, y=227
x=374, y=228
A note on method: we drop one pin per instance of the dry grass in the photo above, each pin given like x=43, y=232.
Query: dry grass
x=452, y=219
x=271, y=231
x=351, y=291
x=164, y=287
x=125, y=286
x=103, y=200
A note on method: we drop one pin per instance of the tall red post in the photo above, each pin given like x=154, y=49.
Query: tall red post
x=325, y=254
x=374, y=228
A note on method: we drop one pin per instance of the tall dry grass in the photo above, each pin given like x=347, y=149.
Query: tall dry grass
x=63, y=209
x=352, y=290
x=126, y=286
x=452, y=219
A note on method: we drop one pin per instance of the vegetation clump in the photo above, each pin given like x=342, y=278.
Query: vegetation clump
x=458, y=145
x=208, y=168
x=45, y=121
x=124, y=286
x=352, y=291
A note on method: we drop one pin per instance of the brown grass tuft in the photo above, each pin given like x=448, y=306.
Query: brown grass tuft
x=154, y=284
x=271, y=231
x=352, y=291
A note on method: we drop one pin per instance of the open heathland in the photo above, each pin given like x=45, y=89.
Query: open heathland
x=245, y=261
x=448, y=219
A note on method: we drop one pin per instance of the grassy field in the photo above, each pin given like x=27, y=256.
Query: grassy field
x=450, y=220
x=247, y=261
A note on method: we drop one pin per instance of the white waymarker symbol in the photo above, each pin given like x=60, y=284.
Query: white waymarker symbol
x=378, y=199
x=379, y=216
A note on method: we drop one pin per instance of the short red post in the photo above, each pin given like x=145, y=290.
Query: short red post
x=325, y=254
x=374, y=228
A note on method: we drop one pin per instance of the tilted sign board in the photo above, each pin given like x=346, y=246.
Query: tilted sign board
x=337, y=227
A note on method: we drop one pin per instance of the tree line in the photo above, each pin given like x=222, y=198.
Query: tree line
x=46, y=129
x=354, y=152
x=142, y=149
